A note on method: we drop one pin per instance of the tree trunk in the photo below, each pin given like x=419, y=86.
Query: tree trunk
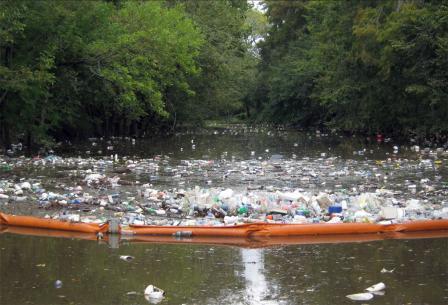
x=4, y=126
x=29, y=142
x=5, y=135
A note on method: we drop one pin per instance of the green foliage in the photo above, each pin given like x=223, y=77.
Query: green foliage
x=357, y=65
x=226, y=62
x=144, y=50
x=85, y=68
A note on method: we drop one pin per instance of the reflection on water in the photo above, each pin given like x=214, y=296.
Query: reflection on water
x=257, y=287
x=93, y=273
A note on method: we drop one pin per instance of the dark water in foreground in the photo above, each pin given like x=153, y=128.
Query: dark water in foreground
x=92, y=273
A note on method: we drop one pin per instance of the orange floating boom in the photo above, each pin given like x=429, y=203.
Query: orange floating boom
x=51, y=224
x=243, y=230
x=267, y=229
x=48, y=233
x=254, y=242
x=261, y=242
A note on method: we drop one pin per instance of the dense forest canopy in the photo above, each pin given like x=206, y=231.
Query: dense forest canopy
x=71, y=69
x=100, y=68
x=356, y=65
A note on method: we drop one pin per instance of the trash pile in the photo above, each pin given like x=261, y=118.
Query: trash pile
x=265, y=187
x=213, y=205
x=216, y=206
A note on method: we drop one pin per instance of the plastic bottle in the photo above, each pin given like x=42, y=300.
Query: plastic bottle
x=181, y=234
x=243, y=210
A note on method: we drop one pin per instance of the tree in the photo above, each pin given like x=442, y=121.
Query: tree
x=73, y=68
x=356, y=65
x=225, y=60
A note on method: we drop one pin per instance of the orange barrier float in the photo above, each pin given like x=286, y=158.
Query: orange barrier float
x=250, y=230
x=243, y=230
x=422, y=225
x=267, y=229
x=263, y=242
x=52, y=224
x=47, y=233
x=253, y=242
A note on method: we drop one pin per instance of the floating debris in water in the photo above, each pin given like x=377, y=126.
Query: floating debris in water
x=377, y=287
x=166, y=190
x=58, y=284
x=154, y=294
x=360, y=296
x=126, y=258
x=384, y=270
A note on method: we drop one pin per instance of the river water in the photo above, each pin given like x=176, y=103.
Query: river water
x=91, y=272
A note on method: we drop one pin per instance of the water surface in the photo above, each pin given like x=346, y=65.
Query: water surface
x=92, y=273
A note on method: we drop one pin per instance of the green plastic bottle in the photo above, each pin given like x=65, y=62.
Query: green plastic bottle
x=6, y=168
x=242, y=210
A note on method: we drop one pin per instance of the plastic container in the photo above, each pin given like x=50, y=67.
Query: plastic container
x=334, y=209
x=303, y=212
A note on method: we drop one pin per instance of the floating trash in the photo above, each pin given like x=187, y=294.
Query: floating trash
x=58, y=284
x=165, y=190
x=126, y=258
x=360, y=296
x=153, y=294
x=377, y=287
x=384, y=270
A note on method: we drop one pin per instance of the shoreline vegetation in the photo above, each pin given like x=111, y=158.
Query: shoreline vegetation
x=70, y=70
